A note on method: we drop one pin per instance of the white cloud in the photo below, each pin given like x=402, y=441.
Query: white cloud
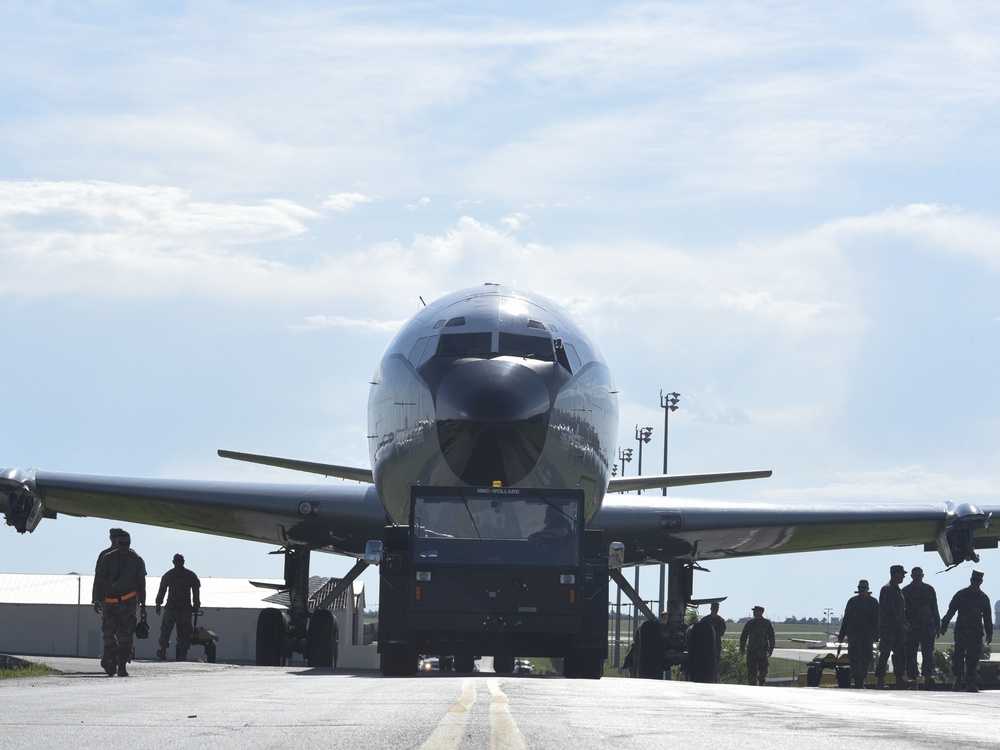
x=344, y=202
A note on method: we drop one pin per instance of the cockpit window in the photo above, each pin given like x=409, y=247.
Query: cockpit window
x=465, y=344
x=534, y=347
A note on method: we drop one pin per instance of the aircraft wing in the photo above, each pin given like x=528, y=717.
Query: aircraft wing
x=661, y=529
x=658, y=481
x=330, y=517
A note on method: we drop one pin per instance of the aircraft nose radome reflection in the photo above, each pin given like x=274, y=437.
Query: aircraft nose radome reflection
x=492, y=419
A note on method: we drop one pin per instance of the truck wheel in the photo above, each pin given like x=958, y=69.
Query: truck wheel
x=843, y=677
x=271, y=626
x=583, y=668
x=503, y=664
x=210, y=652
x=397, y=663
x=465, y=664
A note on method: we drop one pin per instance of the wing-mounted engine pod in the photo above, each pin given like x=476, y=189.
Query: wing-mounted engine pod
x=23, y=509
x=956, y=540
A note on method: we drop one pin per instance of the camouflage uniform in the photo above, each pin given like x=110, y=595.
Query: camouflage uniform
x=120, y=587
x=757, y=641
x=924, y=618
x=891, y=631
x=180, y=585
x=973, y=608
x=860, y=626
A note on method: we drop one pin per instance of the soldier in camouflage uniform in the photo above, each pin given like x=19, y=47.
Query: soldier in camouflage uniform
x=925, y=626
x=107, y=660
x=973, y=608
x=859, y=626
x=757, y=642
x=119, y=588
x=892, y=627
x=182, y=585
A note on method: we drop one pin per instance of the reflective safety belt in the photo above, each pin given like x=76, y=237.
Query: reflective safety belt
x=122, y=598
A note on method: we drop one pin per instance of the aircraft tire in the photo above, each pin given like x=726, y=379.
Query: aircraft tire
x=465, y=663
x=503, y=664
x=271, y=624
x=322, y=639
x=702, y=664
x=649, y=654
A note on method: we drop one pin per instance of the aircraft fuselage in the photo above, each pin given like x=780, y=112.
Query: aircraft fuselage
x=491, y=385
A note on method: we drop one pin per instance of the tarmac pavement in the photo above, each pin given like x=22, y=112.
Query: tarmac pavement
x=226, y=706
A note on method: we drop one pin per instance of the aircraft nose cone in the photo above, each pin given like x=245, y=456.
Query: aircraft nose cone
x=492, y=419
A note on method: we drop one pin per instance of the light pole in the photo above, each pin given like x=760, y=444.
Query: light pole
x=829, y=613
x=642, y=435
x=668, y=402
x=625, y=456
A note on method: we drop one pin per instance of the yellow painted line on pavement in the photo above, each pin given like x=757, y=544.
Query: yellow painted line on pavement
x=449, y=732
x=504, y=734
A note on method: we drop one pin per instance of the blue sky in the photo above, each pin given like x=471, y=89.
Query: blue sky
x=214, y=215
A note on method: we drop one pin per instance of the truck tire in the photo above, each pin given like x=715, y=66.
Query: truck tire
x=398, y=663
x=210, y=652
x=583, y=668
x=503, y=664
x=465, y=663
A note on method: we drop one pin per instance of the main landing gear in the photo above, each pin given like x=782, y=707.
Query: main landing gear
x=281, y=633
x=658, y=647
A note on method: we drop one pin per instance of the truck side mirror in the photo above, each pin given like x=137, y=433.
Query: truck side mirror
x=373, y=552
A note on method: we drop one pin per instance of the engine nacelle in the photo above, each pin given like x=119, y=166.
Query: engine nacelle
x=23, y=508
x=956, y=541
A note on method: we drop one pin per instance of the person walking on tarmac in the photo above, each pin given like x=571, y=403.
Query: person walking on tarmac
x=859, y=626
x=119, y=589
x=181, y=585
x=757, y=642
x=925, y=626
x=892, y=628
x=973, y=608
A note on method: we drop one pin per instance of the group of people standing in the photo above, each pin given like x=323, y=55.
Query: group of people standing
x=905, y=620
x=119, y=596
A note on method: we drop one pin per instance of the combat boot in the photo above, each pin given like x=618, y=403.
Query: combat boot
x=880, y=683
x=108, y=665
x=859, y=683
x=928, y=682
x=121, y=668
x=958, y=685
x=161, y=654
x=182, y=655
x=971, y=688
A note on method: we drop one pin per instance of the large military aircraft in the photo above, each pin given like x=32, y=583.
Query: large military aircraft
x=489, y=386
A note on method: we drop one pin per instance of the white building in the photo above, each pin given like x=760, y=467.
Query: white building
x=52, y=615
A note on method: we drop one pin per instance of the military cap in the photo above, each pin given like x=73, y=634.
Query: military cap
x=895, y=568
x=758, y=607
x=115, y=531
x=862, y=586
x=977, y=575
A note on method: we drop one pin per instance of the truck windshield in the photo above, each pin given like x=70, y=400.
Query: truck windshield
x=469, y=528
